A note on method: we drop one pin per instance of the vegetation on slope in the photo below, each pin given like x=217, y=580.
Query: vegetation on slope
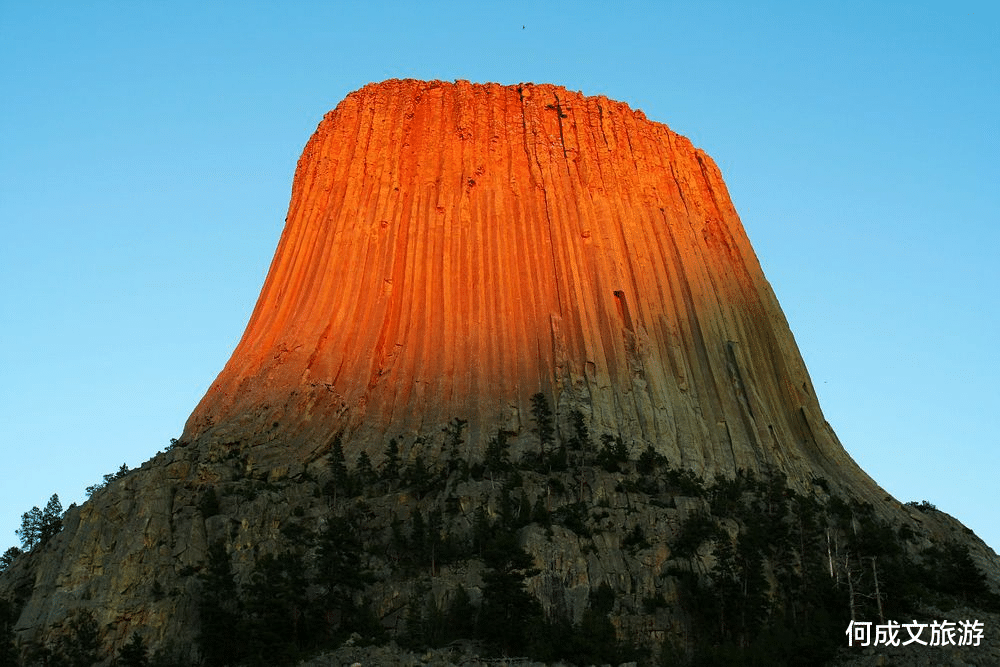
x=741, y=570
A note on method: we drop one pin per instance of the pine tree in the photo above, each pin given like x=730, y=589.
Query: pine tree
x=542, y=415
x=482, y=530
x=649, y=461
x=436, y=547
x=81, y=646
x=134, y=653
x=390, y=466
x=509, y=611
x=613, y=453
x=221, y=640
x=31, y=528
x=340, y=575
x=51, y=519
x=280, y=615
x=339, y=480
x=110, y=477
x=8, y=557
x=453, y=443
x=418, y=538
x=540, y=512
x=460, y=617
x=8, y=650
x=364, y=473
x=497, y=452
x=434, y=624
x=581, y=434
x=418, y=477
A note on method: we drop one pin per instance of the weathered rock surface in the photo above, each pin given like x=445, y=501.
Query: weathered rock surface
x=452, y=249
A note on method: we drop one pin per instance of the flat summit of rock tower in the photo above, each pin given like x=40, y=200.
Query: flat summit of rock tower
x=452, y=249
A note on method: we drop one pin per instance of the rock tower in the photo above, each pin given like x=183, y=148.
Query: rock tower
x=452, y=252
x=452, y=249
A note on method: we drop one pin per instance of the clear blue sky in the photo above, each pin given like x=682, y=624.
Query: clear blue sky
x=147, y=152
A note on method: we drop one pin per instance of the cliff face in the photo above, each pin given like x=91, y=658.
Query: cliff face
x=452, y=249
x=450, y=252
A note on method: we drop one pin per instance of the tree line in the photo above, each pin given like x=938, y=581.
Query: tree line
x=787, y=569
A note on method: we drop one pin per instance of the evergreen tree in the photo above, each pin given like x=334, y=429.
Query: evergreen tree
x=340, y=575
x=418, y=538
x=414, y=637
x=418, y=477
x=509, y=611
x=434, y=624
x=613, y=453
x=435, y=545
x=80, y=648
x=594, y=640
x=31, y=528
x=482, y=530
x=110, y=477
x=454, y=440
x=364, y=473
x=8, y=617
x=955, y=573
x=580, y=441
x=460, y=616
x=220, y=640
x=339, y=479
x=8, y=557
x=390, y=466
x=208, y=504
x=280, y=616
x=424, y=620
x=649, y=461
x=51, y=522
x=540, y=512
x=497, y=453
x=558, y=459
x=134, y=653
x=542, y=415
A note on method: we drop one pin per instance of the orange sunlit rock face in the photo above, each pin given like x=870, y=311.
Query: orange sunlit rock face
x=451, y=249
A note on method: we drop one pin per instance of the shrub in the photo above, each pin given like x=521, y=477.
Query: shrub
x=695, y=530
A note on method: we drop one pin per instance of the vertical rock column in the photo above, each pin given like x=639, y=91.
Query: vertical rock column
x=452, y=249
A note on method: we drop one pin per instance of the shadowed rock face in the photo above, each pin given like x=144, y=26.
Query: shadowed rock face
x=452, y=249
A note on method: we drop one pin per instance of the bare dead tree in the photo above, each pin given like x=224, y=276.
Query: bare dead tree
x=878, y=594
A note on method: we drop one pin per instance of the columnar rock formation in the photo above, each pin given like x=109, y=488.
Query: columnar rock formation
x=452, y=249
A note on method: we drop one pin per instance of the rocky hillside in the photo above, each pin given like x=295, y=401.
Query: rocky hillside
x=573, y=551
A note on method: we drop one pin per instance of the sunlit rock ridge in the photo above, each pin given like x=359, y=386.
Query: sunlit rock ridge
x=452, y=248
